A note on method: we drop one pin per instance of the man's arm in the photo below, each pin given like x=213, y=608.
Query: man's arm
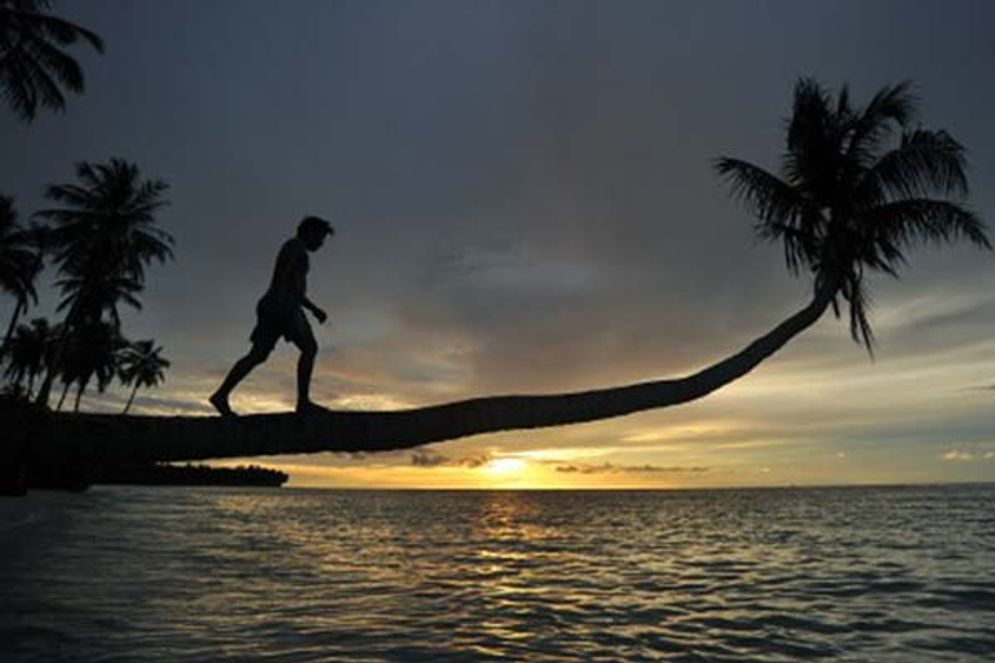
x=318, y=312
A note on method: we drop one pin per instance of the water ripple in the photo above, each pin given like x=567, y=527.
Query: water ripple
x=901, y=574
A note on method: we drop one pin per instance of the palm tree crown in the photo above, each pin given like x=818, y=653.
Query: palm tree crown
x=93, y=351
x=857, y=187
x=141, y=364
x=35, y=240
x=33, y=65
x=105, y=234
x=17, y=255
x=29, y=352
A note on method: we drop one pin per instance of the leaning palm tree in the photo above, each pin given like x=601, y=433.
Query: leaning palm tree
x=849, y=201
x=142, y=365
x=34, y=67
x=104, y=234
x=858, y=187
x=17, y=259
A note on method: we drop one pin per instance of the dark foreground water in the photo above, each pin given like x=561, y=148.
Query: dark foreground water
x=174, y=574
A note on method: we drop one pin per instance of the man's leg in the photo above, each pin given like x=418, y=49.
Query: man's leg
x=305, y=366
x=219, y=399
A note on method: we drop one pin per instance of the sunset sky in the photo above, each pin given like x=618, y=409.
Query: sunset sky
x=525, y=202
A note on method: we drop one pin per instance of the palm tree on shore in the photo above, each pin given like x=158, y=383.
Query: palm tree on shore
x=142, y=365
x=848, y=202
x=93, y=351
x=858, y=187
x=104, y=235
x=16, y=263
x=28, y=353
x=34, y=66
x=36, y=236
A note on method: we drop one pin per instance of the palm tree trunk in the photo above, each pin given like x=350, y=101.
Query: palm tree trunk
x=56, y=361
x=131, y=437
x=79, y=394
x=50, y=373
x=127, y=406
x=13, y=324
x=65, y=390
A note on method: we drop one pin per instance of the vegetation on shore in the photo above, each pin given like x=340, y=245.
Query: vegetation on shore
x=166, y=474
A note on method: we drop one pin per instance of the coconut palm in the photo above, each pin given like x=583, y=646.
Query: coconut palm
x=109, y=217
x=142, y=365
x=93, y=351
x=858, y=187
x=36, y=237
x=29, y=352
x=104, y=235
x=34, y=67
x=96, y=290
x=16, y=263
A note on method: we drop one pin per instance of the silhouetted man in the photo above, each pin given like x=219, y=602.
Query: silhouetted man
x=280, y=312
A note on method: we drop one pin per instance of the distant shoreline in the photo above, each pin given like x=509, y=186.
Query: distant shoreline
x=167, y=474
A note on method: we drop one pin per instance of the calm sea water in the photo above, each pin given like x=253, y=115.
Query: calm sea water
x=174, y=574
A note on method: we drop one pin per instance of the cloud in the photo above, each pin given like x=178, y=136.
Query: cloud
x=429, y=459
x=967, y=456
x=611, y=468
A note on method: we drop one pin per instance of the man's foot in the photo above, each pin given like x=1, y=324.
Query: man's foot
x=307, y=407
x=220, y=404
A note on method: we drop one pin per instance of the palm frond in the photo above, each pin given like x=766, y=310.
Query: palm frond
x=893, y=107
x=925, y=162
x=767, y=196
x=918, y=220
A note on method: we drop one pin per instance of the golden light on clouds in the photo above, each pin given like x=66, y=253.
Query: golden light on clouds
x=503, y=467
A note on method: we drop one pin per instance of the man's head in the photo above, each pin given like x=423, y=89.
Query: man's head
x=312, y=230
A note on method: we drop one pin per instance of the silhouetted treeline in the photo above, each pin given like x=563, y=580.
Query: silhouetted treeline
x=165, y=474
x=98, y=235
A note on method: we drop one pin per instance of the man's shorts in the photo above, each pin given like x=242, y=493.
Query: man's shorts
x=277, y=317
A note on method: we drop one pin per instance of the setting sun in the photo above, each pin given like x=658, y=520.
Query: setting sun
x=504, y=466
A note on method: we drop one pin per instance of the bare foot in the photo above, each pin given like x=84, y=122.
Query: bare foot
x=307, y=407
x=220, y=404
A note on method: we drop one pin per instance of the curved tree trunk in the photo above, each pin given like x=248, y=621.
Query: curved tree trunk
x=81, y=387
x=65, y=390
x=127, y=406
x=144, y=438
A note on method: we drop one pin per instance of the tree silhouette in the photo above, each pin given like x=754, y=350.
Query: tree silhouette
x=36, y=237
x=849, y=202
x=104, y=235
x=93, y=351
x=17, y=260
x=34, y=67
x=29, y=352
x=142, y=365
x=858, y=188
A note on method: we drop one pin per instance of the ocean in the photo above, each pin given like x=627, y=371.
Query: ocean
x=230, y=574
